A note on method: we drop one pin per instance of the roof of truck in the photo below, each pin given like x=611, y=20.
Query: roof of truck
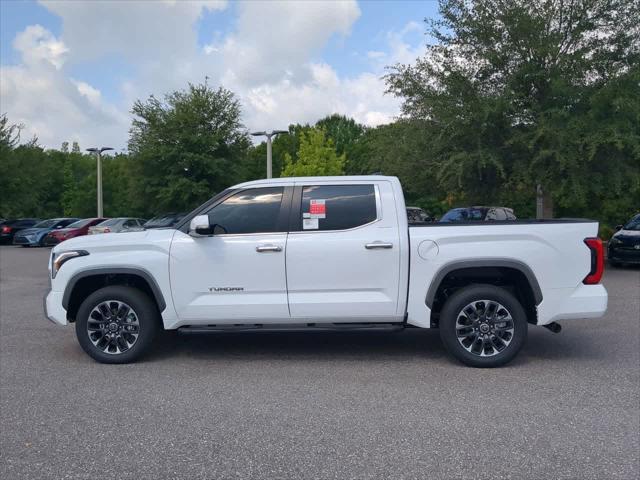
x=292, y=180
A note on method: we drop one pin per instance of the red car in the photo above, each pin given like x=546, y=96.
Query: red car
x=76, y=229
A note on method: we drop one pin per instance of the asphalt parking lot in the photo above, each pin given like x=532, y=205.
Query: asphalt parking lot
x=344, y=405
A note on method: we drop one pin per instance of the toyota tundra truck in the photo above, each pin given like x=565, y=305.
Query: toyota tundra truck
x=326, y=253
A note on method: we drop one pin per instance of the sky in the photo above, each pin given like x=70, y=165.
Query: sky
x=71, y=70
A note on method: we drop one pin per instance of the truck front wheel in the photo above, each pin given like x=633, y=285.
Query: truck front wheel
x=116, y=324
x=483, y=326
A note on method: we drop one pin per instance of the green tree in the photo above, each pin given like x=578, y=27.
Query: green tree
x=316, y=156
x=186, y=148
x=507, y=93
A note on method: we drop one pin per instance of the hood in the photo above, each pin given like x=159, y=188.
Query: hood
x=62, y=231
x=117, y=241
x=628, y=233
x=631, y=236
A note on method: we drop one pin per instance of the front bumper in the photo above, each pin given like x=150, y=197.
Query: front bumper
x=49, y=240
x=53, y=310
x=19, y=240
x=624, y=254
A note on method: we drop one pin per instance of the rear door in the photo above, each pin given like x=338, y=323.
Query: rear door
x=343, y=255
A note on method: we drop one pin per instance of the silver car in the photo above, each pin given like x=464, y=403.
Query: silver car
x=116, y=225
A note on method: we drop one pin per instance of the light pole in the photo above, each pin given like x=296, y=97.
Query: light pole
x=98, y=152
x=269, y=135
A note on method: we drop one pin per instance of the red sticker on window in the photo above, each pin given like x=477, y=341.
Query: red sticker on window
x=317, y=207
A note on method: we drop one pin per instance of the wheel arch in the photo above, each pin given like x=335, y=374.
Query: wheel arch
x=85, y=282
x=516, y=273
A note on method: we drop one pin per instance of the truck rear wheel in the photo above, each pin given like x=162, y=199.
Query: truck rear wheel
x=483, y=326
x=116, y=324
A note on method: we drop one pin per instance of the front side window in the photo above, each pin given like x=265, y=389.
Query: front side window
x=337, y=207
x=255, y=210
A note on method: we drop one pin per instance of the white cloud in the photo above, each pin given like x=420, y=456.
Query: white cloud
x=36, y=44
x=52, y=106
x=269, y=59
x=135, y=29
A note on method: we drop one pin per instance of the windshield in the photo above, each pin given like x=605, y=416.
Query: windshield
x=463, y=215
x=80, y=223
x=109, y=223
x=634, y=224
x=46, y=223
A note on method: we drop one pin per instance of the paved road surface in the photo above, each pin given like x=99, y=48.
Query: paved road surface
x=298, y=406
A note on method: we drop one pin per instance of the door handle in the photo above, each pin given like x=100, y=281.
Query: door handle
x=371, y=246
x=268, y=248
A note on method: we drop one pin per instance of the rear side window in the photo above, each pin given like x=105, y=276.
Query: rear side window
x=337, y=207
x=254, y=210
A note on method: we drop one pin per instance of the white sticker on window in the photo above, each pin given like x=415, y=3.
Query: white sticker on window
x=309, y=223
x=306, y=215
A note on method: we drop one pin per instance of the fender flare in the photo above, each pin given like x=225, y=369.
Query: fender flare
x=141, y=272
x=487, y=263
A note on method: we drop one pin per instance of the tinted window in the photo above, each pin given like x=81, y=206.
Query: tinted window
x=255, y=210
x=131, y=223
x=111, y=222
x=463, y=215
x=65, y=222
x=337, y=207
x=81, y=223
x=634, y=223
x=46, y=223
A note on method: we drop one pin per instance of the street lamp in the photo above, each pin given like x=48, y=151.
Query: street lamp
x=269, y=135
x=98, y=152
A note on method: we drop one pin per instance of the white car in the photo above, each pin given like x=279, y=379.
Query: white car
x=327, y=253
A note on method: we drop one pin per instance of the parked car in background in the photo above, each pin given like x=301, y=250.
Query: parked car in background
x=624, y=246
x=478, y=214
x=9, y=228
x=34, y=236
x=167, y=220
x=418, y=215
x=116, y=225
x=76, y=229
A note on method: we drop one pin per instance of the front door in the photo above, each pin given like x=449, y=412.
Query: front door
x=237, y=276
x=343, y=254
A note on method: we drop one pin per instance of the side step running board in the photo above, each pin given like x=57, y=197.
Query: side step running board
x=297, y=327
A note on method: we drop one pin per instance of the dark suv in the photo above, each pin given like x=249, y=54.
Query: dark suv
x=624, y=246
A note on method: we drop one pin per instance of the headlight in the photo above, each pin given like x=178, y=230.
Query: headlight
x=59, y=259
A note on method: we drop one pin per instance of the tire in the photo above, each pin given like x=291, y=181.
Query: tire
x=97, y=313
x=477, y=347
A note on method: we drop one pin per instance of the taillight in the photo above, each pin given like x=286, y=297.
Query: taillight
x=106, y=230
x=597, y=261
x=6, y=229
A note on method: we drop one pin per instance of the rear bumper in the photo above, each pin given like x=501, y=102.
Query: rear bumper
x=584, y=301
x=53, y=310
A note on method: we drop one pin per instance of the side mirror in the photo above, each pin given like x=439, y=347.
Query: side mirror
x=200, y=226
x=618, y=227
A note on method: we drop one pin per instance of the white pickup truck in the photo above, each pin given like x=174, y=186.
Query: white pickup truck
x=326, y=253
